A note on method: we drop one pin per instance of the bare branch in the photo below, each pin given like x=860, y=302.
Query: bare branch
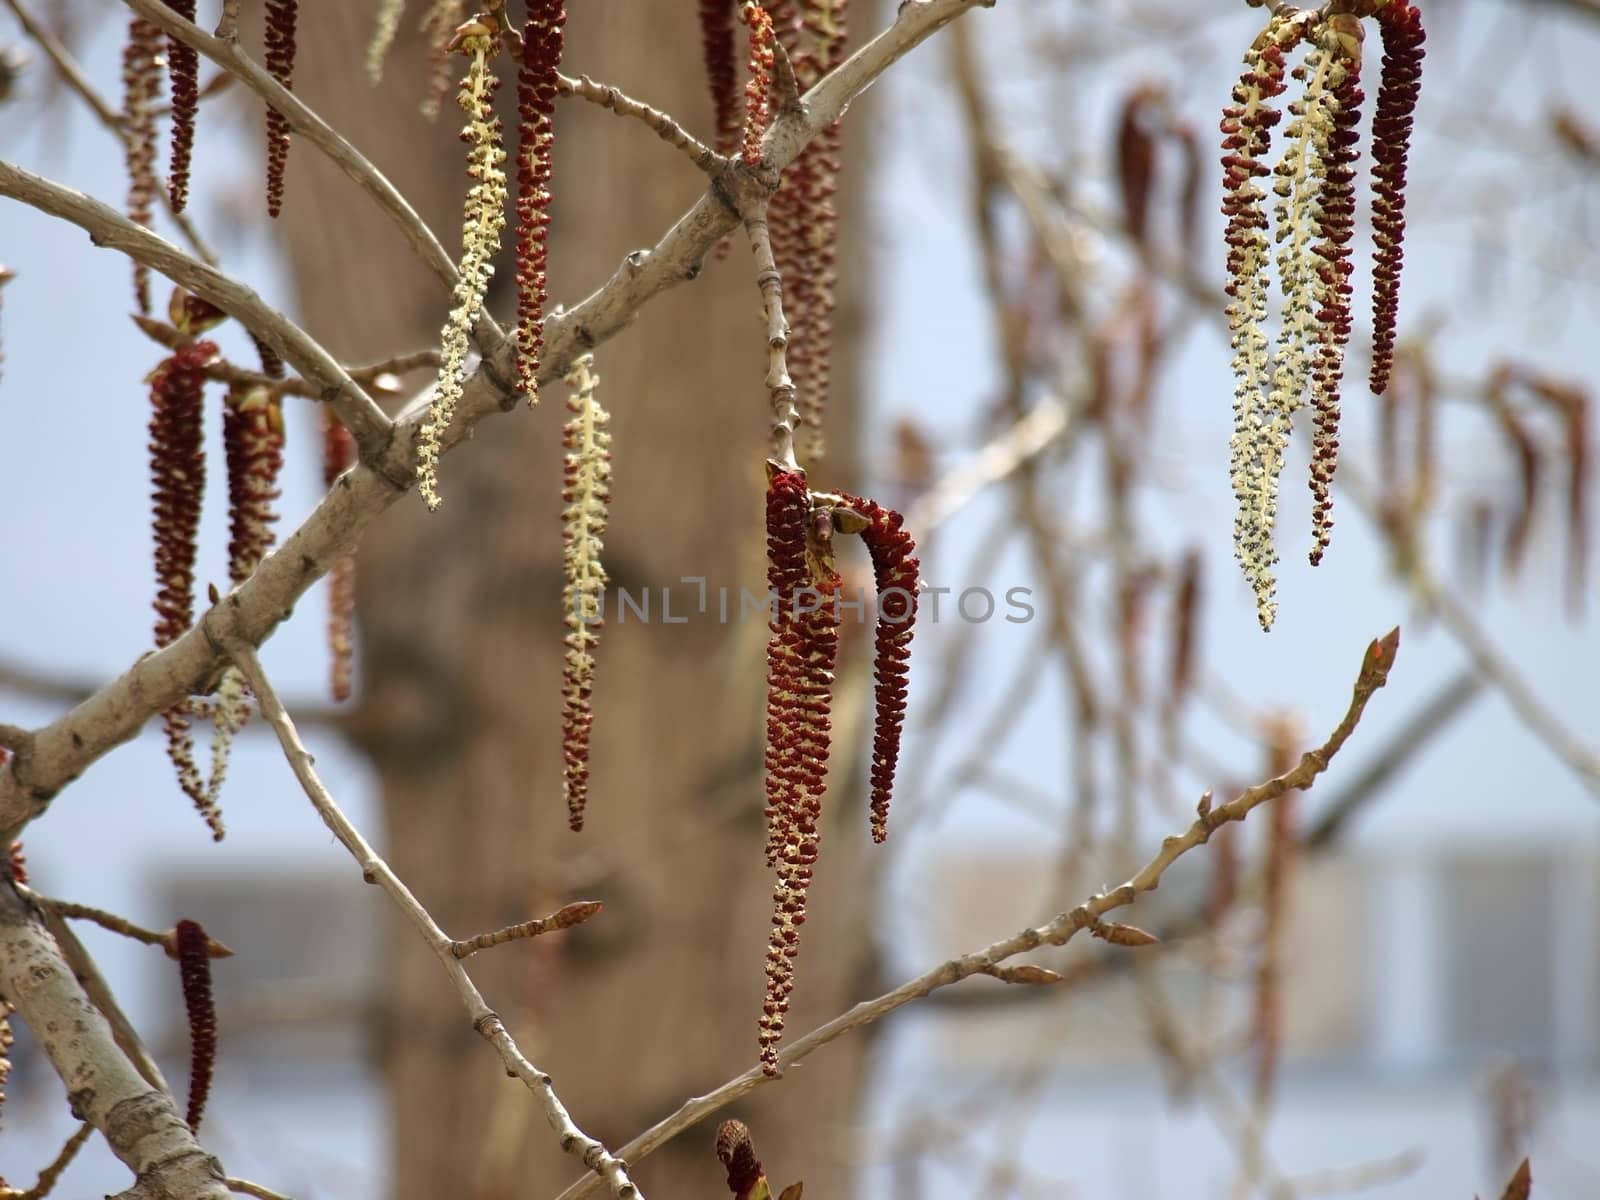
x=1412, y=565
x=780, y=384
x=62, y=750
x=107, y=227
x=67, y=67
x=565, y=917
x=1374, y=673
x=87, y=972
x=668, y=130
x=606, y=1167
x=1045, y=424
x=246, y=1188
x=303, y=121
x=46, y=1182
x=140, y=1123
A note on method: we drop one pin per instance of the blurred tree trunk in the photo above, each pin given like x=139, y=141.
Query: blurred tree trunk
x=460, y=658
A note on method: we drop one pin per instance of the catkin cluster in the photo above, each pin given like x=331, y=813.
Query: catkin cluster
x=1312, y=222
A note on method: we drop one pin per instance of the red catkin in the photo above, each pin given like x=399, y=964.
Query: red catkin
x=894, y=567
x=1335, y=226
x=1400, y=84
x=717, y=45
x=194, y=970
x=542, y=41
x=281, y=17
x=801, y=653
x=183, y=63
x=178, y=473
x=252, y=439
x=141, y=83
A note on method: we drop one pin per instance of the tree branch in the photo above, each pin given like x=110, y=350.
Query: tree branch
x=606, y=1167
x=108, y=227
x=668, y=130
x=1374, y=673
x=61, y=751
x=305, y=122
x=72, y=75
x=140, y=1122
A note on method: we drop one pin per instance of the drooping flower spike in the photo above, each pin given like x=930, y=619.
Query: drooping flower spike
x=183, y=63
x=806, y=223
x=482, y=220
x=177, y=475
x=338, y=456
x=384, y=31
x=1401, y=83
x=895, y=570
x=252, y=440
x=141, y=84
x=440, y=24
x=801, y=652
x=758, y=88
x=1314, y=182
x=536, y=104
x=802, y=648
x=193, y=950
x=586, y=492
x=717, y=45
x=281, y=16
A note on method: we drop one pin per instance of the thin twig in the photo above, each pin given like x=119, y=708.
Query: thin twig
x=1399, y=751
x=1412, y=565
x=94, y=985
x=306, y=123
x=668, y=130
x=1045, y=424
x=1374, y=673
x=606, y=1167
x=63, y=1159
x=787, y=86
x=368, y=377
x=246, y=1188
x=67, y=67
x=104, y=919
x=780, y=385
x=72, y=75
x=566, y=917
x=108, y=227
x=62, y=750
x=137, y=1118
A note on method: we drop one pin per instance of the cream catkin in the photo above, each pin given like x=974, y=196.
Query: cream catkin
x=586, y=492
x=483, y=218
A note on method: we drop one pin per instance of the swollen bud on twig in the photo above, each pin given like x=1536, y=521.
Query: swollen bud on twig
x=746, y=1179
